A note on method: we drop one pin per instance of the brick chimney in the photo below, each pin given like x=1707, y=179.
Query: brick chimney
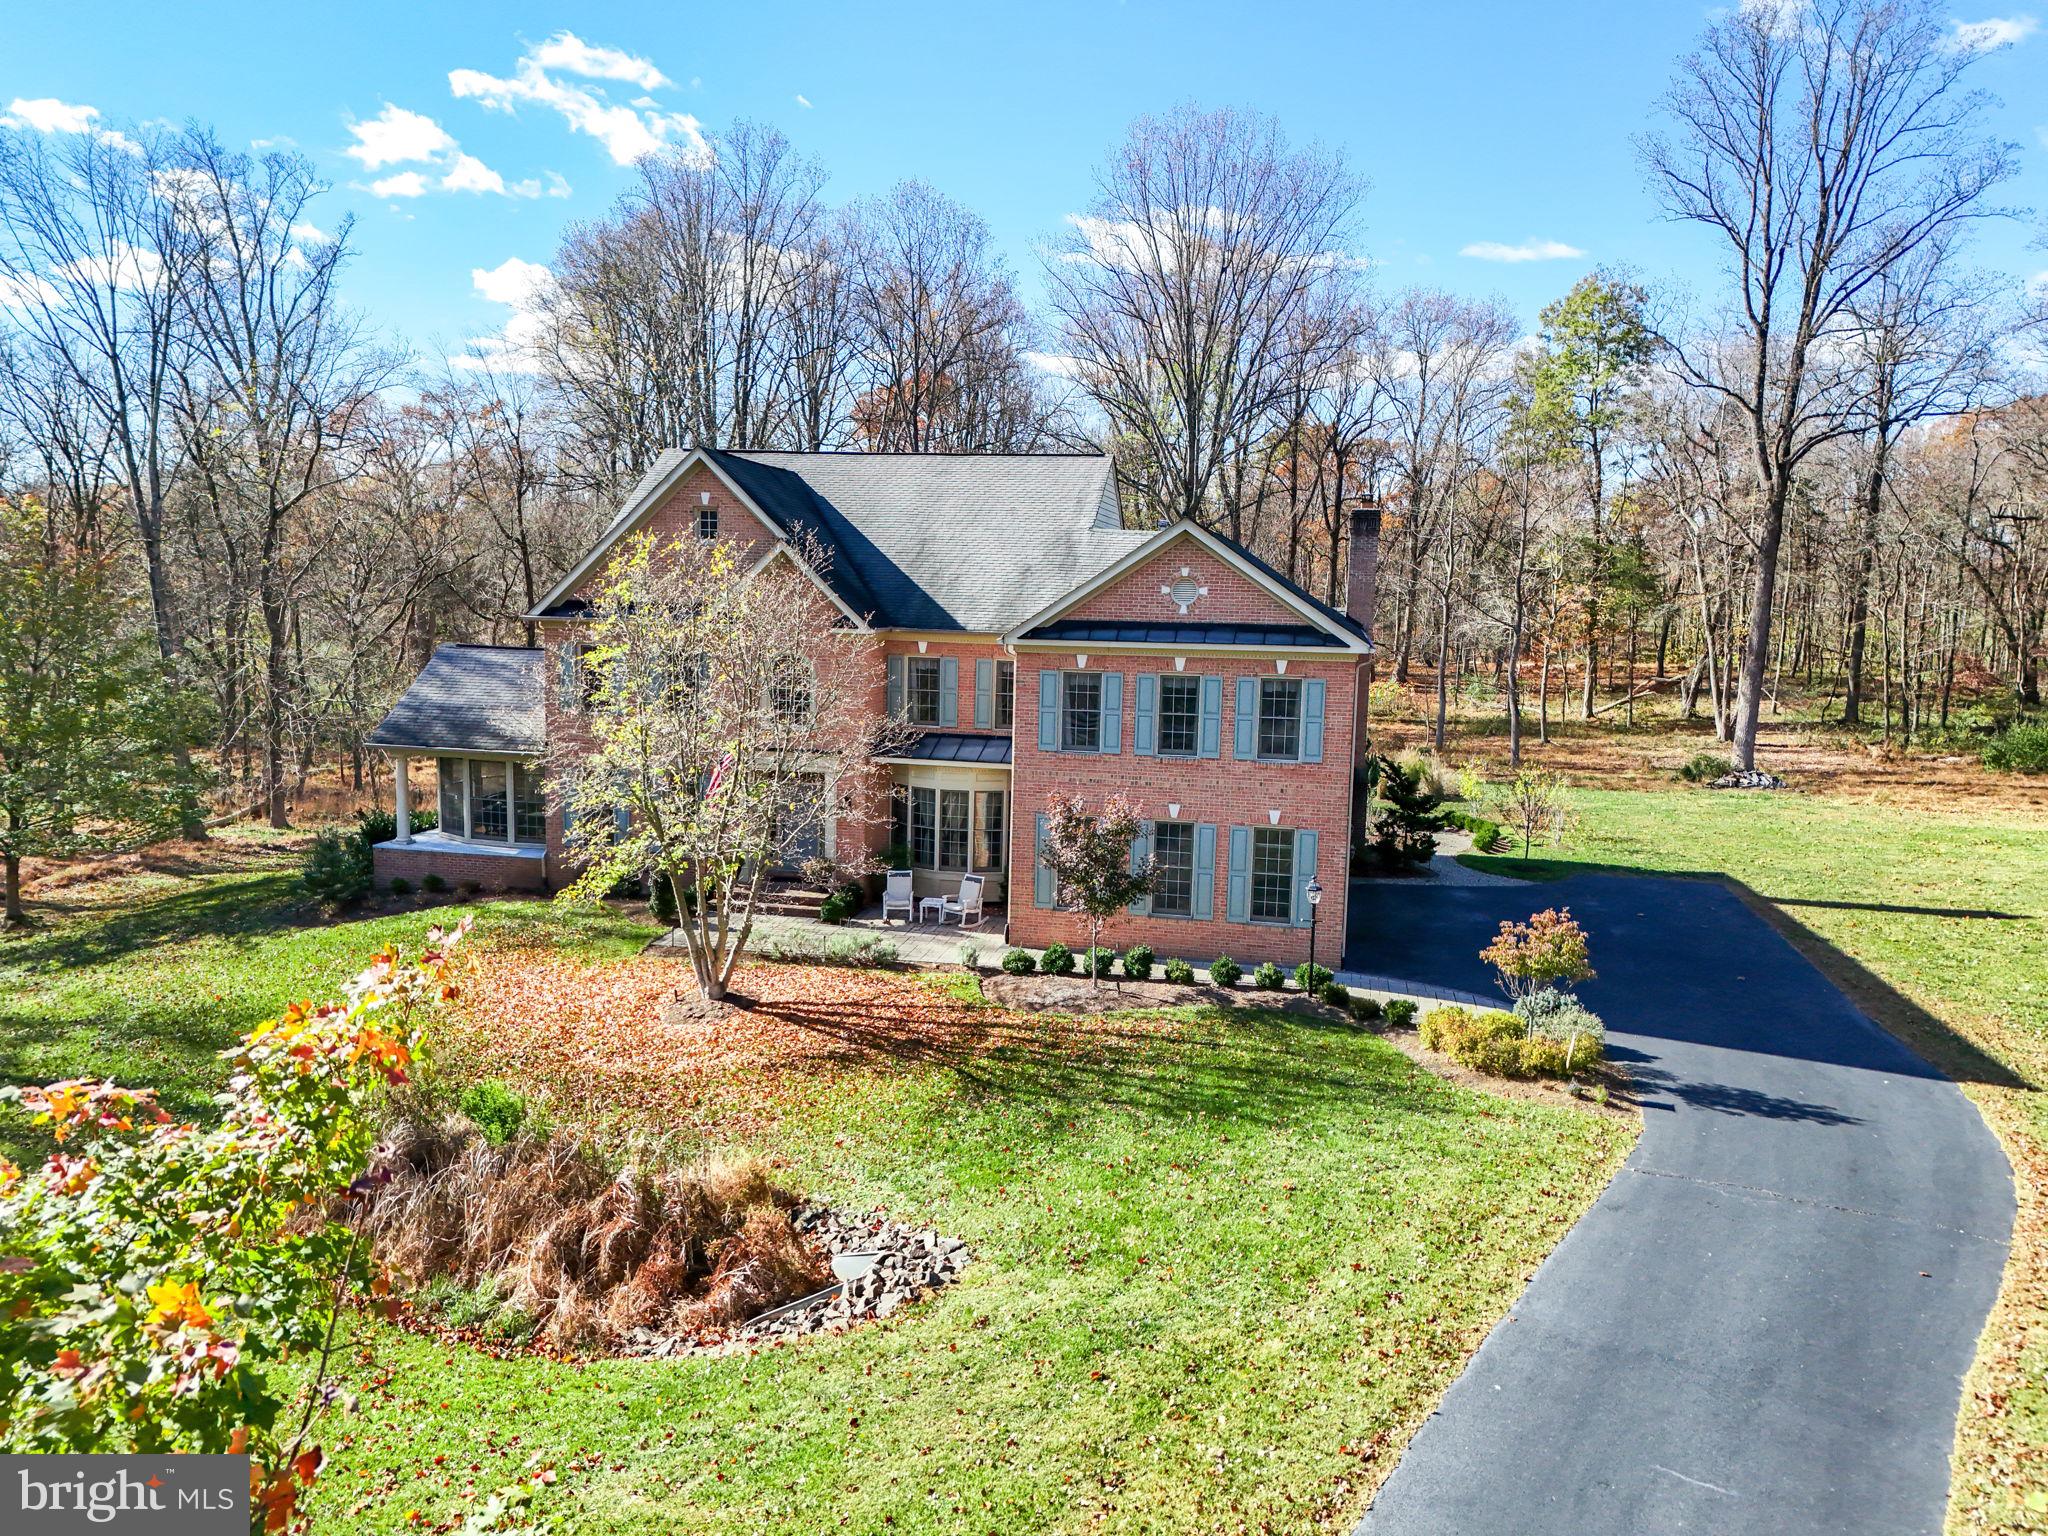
x=1362, y=575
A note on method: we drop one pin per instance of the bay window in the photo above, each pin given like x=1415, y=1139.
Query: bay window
x=491, y=800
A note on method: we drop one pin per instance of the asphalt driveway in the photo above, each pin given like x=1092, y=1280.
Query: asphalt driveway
x=1762, y=1325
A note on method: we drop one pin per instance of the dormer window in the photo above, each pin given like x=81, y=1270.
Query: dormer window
x=707, y=521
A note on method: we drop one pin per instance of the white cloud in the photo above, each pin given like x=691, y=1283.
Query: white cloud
x=469, y=174
x=404, y=184
x=803, y=101
x=558, y=184
x=1060, y=365
x=567, y=51
x=526, y=288
x=1991, y=33
x=626, y=131
x=310, y=234
x=29, y=292
x=46, y=114
x=396, y=137
x=1528, y=250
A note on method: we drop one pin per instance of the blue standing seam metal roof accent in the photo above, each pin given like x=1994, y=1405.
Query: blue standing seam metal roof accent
x=472, y=698
x=1146, y=632
x=954, y=747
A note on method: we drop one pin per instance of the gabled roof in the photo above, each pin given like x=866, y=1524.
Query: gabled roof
x=970, y=542
x=1346, y=631
x=472, y=698
x=1289, y=637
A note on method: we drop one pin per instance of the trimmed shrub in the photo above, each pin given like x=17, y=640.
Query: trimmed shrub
x=2021, y=748
x=1180, y=973
x=337, y=869
x=1365, y=1009
x=1704, y=767
x=400, y=886
x=865, y=951
x=380, y=826
x=661, y=896
x=1138, y=962
x=493, y=1108
x=1502, y=1044
x=1312, y=978
x=1336, y=994
x=1269, y=978
x=1224, y=971
x=1098, y=962
x=1399, y=1013
x=1560, y=1016
x=1019, y=962
x=433, y=884
x=1058, y=960
x=844, y=902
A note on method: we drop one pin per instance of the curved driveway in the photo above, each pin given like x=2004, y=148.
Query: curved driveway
x=1762, y=1325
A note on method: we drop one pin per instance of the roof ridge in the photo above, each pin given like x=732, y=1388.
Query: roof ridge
x=899, y=453
x=481, y=645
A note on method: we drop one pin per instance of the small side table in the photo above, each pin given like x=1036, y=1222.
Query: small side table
x=932, y=909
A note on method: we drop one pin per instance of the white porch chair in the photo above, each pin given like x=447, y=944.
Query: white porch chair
x=896, y=894
x=966, y=908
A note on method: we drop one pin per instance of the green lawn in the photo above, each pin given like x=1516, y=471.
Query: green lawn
x=1223, y=1268
x=1936, y=921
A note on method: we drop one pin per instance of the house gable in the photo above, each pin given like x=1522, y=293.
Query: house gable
x=1186, y=577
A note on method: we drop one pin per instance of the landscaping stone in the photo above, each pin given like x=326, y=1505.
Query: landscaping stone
x=910, y=1264
x=1749, y=778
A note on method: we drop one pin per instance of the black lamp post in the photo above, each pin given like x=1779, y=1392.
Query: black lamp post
x=1314, y=892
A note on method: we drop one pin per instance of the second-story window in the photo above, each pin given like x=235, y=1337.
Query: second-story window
x=707, y=522
x=1280, y=718
x=1080, y=711
x=1006, y=694
x=1180, y=715
x=921, y=694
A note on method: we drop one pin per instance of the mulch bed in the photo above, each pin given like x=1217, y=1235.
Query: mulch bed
x=1075, y=995
x=1621, y=1100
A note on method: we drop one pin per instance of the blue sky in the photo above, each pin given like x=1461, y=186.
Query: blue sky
x=1504, y=123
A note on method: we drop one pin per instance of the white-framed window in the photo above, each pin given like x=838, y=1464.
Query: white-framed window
x=1080, y=711
x=991, y=829
x=491, y=800
x=923, y=692
x=924, y=827
x=1006, y=694
x=1272, y=875
x=1180, y=715
x=707, y=522
x=953, y=828
x=1173, y=868
x=1280, y=719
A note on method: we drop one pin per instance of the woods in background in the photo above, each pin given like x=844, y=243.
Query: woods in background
x=1828, y=473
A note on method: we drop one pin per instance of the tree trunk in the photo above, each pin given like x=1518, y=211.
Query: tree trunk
x=276, y=680
x=1756, y=644
x=11, y=913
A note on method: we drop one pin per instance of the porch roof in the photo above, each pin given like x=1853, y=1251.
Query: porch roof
x=963, y=747
x=472, y=698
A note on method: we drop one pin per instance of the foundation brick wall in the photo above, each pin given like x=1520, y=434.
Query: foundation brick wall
x=488, y=872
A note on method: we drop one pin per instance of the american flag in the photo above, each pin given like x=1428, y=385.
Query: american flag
x=718, y=775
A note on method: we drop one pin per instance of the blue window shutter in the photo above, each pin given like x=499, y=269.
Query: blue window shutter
x=1238, y=889
x=568, y=688
x=1144, y=710
x=1247, y=744
x=895, y=700
x=1212, y=717
x=984, y=693
x=622, y=821
x=949, y=690
x=1041, y=877
x=1141, y=850
x=1312, y=720
x=1048, y=712
x=1204, y=905
x=1304, y=866
x=1112, y=711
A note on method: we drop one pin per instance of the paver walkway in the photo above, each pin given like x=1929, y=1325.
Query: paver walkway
x=1763, y=1323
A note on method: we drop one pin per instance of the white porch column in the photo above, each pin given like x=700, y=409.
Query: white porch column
x=400, y=767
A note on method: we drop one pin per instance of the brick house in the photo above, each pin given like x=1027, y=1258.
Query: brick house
x=1033, y=642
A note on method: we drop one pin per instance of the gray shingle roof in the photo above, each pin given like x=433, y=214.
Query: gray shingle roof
x=974, y=542
x=472, y=698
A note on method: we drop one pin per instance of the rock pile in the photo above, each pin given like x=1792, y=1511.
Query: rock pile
x=907, y=1264
x=1749, y=778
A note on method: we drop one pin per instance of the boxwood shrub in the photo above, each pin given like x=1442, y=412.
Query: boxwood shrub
x=1058, y=960
x=1180, y=973
x=1224, y=971
x=1138, y=962
x=1019, y=962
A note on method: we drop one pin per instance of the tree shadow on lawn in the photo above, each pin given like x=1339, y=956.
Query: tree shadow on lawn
x=236, y=907
x=1955, y=1055
x=1230, y=1065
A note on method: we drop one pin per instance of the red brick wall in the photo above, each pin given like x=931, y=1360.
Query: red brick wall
x=489, y=872
x=1222, y=790
x=966, y=653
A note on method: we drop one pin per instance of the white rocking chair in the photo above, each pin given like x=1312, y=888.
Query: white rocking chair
x=896, y=895
x=967, y=905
